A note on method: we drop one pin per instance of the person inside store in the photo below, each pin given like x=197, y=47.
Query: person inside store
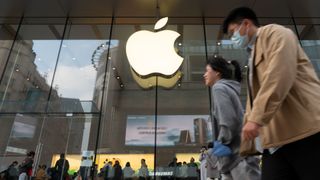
x=61, y=167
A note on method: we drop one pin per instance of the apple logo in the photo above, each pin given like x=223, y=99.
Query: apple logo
x=153, y=52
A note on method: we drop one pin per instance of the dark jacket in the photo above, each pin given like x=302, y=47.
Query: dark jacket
x=62, y=166
x=26, y=165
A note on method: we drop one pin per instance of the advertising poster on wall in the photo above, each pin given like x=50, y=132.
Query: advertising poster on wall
x=172, y=130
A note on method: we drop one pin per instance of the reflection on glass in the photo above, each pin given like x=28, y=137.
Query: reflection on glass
x=23, y=127
x=75, y=75
x=25, y=86
x=312, y=49
x=79, y=75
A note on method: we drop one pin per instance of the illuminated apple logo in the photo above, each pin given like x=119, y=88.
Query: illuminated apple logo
x=153, y=52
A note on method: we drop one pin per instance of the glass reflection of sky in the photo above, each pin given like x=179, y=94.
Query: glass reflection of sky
x=75, y=75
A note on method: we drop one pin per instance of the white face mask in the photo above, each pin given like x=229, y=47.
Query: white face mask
x=238, y=40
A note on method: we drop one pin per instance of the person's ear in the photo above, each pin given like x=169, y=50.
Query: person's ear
x=246, y=22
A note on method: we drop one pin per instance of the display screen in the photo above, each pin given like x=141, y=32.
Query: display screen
x=172, y=130
x=23, y=127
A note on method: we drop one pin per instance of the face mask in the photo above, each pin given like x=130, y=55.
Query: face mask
x=238, y=40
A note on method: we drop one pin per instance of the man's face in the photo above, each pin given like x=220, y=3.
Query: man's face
x=210, y=76
x=243, y=27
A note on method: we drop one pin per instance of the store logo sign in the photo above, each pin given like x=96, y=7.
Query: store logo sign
x=154, y=52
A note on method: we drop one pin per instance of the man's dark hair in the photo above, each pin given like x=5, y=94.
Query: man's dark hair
x=237, y=15
x=62, y=156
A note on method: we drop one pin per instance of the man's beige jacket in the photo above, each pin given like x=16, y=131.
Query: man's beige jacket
x=285, y=89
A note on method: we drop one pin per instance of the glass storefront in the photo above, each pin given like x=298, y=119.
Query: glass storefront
x=66, y=87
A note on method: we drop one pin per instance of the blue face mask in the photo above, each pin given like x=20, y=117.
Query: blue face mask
x=238, y=40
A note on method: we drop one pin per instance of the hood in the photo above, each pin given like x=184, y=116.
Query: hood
x=230, y=83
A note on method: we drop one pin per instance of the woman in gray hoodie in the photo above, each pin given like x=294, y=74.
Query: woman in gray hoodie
x=224, y=78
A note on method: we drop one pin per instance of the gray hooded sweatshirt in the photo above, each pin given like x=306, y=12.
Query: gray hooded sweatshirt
x=227, y=112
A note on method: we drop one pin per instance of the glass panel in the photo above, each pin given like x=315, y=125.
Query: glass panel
x=127, y=125
x=25, y=84
x=48, y=136
x=20, y=134
x=310, y=40
x=183, y=110
x=7, y=34
x=76, y=81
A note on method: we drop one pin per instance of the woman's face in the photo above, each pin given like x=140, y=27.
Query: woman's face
x=211, y=76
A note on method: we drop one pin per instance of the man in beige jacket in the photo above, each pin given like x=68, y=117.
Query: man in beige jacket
x=283, y=105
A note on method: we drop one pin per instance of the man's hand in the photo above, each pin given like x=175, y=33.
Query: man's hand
x=250, y=130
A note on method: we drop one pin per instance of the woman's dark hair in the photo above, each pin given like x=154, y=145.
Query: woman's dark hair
x=127, y=164
x=31, y=153
x=228, y=69
x=210, y=145
x=237, y=15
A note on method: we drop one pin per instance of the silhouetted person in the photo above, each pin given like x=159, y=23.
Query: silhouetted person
x=127, y=172
x=25, y=167
x=143, y=171
x=12, y=172
x=41, y=173
x=173, y=167
x=61, y=167
x=117, y=171
x=192, y=169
